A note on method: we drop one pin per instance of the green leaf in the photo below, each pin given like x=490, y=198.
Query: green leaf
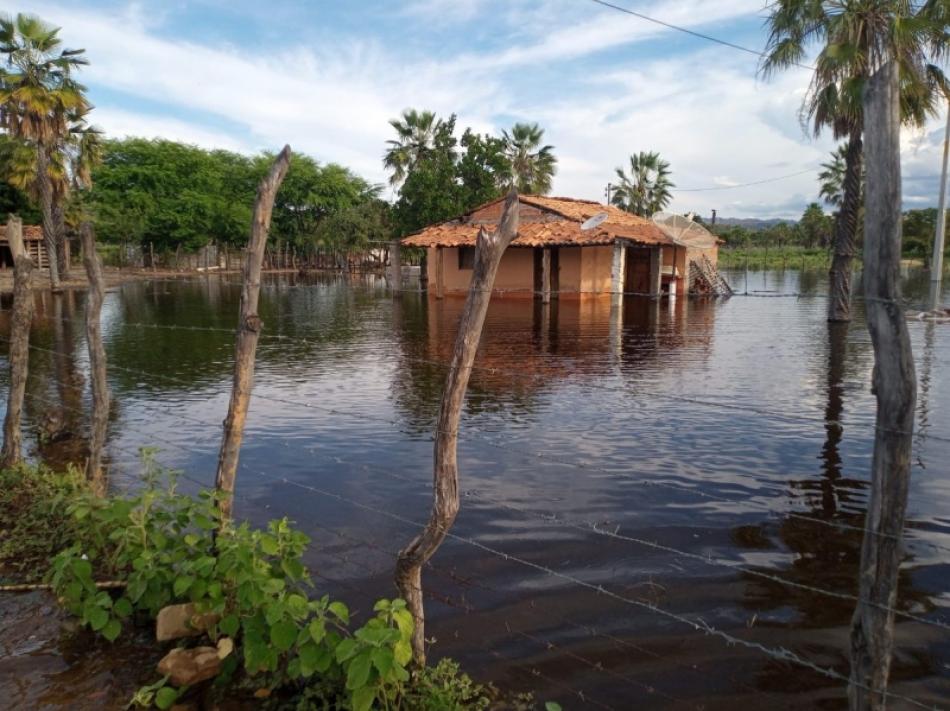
x=345, y=650
x=229, y=625
x=96, y=617
x=269, y=545
x=552, y=706
x=165, y=697
x=402, y=652
x=283, y=634
x=318, y=630
x=363, y=698
x=341, y=611
x=122, y=607
x=182, y=584
x=358, y=672
x=204, y=522
x=112, y=629
x=309, y=659
x=73, y=591
x=382, y=660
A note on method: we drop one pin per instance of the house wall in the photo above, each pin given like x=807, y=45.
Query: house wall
x=516, y=271
x=581, y=270
x=596, y=265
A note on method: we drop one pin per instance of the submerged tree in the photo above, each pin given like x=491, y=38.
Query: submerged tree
x=849, y=34
x=531, y=165
x=38, y=96
x=647, y=189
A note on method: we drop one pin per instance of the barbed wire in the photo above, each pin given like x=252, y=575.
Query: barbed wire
x=553, y=518
x=534, y=456
x=696, y=624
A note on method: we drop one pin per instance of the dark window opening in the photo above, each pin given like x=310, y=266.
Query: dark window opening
x=466, y=257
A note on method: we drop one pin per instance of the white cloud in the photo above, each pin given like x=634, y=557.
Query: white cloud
x=706, y=112
x=119, y=123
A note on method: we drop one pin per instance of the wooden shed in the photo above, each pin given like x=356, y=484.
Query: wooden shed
x=35, y=247
x=553, y=256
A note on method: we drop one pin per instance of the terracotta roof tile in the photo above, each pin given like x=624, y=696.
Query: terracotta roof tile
x=31, y=233
x=566, y=231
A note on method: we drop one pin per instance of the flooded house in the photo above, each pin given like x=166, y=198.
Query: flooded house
x=35, y=247
x=570, y=248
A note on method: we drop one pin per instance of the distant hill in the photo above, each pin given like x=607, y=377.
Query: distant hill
x=751, y=223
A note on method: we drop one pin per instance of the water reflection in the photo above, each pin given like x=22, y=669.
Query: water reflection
x=739, y=430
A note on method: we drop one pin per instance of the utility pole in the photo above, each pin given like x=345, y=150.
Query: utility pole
x=610, y=187
x=713, y=223
x=936, y=264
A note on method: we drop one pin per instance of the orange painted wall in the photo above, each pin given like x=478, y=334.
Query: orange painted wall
x=516, y=271
x=596, y=265
x=583, y=270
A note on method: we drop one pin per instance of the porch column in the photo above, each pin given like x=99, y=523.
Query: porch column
x=656, y=271
x=395, y=267
x=546, y=276
x=439, y=273
x=617, y=268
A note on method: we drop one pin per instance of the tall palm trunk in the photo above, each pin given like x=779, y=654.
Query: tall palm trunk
x=846, y=228
x=45, y=189
x=62, y=248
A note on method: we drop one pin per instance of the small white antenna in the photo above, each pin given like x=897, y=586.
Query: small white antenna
x=594, y=221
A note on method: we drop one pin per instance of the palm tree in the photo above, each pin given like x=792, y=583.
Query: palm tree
x=69, y=171
x=531, y=165
x=647, y=189
x=416, y=132
x=37, y=97
x=831, y=177
x=853, y=33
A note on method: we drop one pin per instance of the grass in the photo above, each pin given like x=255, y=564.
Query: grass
x=789, y=257
x=34, y=525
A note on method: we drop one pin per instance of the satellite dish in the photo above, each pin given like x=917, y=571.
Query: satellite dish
x=594, y=221
x=683, y=231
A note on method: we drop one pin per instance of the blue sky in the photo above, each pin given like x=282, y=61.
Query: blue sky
x=326, y=76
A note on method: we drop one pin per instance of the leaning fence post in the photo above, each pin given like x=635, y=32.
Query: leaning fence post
x=19, y=341
x=97, y=355
x=249, y=326
x=490, y=247
x=894, y=383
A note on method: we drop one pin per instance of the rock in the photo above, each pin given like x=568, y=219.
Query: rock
x=185, y=667
x=176, y=621
x=225, y=647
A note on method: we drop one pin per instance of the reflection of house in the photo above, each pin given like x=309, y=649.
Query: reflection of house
x=624, y=253
x=32, y=240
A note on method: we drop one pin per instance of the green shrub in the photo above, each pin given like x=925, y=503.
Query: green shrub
x=171, y=548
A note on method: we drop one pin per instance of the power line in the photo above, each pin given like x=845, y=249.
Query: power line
x=693, y=33
x=743, y=185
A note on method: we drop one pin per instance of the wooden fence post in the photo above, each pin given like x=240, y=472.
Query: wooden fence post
x=97, y=356
x=489, y=250
x=19, y=341
x=248, y=331
x=395, y=268
x=895, y=388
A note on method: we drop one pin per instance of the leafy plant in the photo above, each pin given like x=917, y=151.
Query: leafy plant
x=250, y=581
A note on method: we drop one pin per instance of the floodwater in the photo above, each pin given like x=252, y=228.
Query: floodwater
x=660, y=502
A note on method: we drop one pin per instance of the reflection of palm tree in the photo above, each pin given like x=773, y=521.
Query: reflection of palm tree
x=826, y=540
